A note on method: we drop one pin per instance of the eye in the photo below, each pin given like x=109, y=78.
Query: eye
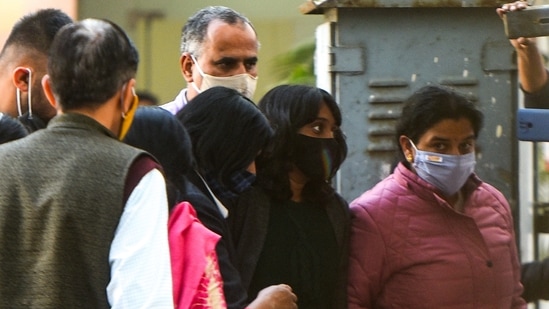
x=226, y=64
x=439, y=147
x=250, y=64
x=467, y=147
x=317, y=129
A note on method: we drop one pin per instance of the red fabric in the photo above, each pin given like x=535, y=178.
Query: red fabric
x=192, y=251
x=139, y=168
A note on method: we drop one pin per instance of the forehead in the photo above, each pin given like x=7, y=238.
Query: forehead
x=237, y=40
x=450, y=129
x=325, y=113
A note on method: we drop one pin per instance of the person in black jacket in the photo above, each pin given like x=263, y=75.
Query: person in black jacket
x=227, y=132
x=535, y=278
x=161, y=134
x=10, y=129
x=173, y=150
x=293, y=227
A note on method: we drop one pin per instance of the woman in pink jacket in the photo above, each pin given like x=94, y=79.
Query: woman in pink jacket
x=432, y=234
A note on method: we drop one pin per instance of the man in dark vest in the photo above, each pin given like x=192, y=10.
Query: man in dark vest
x=83, y=217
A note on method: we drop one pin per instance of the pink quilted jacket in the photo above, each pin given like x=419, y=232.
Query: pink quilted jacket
x=410, y=249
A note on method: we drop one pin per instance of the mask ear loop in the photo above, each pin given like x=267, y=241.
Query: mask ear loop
x=197, y=66
x=122, y=101
x=410, y=155
x=29, y=98
x=18, y=96
x=193, y=84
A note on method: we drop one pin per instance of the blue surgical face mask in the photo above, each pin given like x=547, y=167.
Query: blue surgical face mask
x=446, y=172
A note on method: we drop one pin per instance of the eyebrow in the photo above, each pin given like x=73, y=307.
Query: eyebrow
x=438, y=138
x=234, y=59
x=321, y=119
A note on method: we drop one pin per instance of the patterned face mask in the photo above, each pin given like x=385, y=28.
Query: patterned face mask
x=239, y=182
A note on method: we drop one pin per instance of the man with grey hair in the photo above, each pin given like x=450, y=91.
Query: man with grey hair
x=219, y=47
x=84, y=216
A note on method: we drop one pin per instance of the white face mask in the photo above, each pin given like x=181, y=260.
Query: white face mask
x=243, y=83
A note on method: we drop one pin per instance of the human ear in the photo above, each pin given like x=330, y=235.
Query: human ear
x=407, y=149
x=46, y=86
x=20, y=78
x=186, y=63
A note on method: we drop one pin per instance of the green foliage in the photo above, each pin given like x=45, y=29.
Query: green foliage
x=542, y=165
x=296, y=66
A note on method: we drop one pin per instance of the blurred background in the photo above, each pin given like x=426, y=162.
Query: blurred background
x=285, y=34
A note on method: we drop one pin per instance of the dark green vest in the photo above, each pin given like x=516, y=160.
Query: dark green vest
x=61, y=197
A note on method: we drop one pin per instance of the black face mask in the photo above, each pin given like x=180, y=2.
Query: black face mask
x=31, y=123
x=317, y=158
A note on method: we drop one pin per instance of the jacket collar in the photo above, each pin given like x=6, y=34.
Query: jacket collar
x=79, y=122
x=427, y=191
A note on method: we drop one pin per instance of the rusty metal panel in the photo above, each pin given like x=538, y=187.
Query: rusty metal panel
x=318, y=7
x=403, y=49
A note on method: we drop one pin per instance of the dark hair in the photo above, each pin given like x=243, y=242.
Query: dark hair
x=158, y=132
x=37, y=30
x=194, y=32
x=288, y=108
x=227, y=131
x=10, y=129
x=144, y=95
x=89, y=62
x=430, y=105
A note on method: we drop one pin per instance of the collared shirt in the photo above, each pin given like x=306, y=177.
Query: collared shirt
x=139, y=254
x=177, y=104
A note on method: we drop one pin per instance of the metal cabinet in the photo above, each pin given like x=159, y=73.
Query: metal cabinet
x=371, y=55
